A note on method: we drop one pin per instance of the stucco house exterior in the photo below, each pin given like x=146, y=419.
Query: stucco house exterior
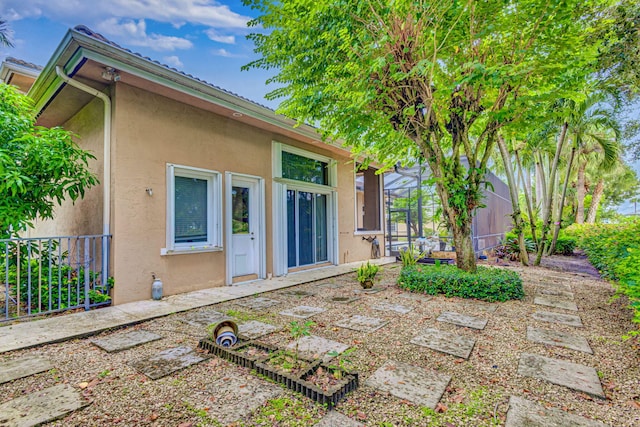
x=198, y=186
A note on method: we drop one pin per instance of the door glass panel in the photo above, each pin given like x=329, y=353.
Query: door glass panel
x=321, y=227
x=305, y=228
x=240, y=210
x=292, y=249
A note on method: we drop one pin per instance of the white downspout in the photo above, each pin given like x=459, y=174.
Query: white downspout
x=106, y=196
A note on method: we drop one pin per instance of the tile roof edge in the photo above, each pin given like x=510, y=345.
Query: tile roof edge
x=22, y=63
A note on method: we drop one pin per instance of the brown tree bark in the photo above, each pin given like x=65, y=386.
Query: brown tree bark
x=595, y=201
x=580, y=192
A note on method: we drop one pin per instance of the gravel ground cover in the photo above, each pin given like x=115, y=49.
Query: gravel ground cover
x=477, y=395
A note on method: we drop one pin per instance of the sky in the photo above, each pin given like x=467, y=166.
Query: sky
x=205, y=38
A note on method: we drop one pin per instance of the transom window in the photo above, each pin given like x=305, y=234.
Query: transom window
x=193, y=209
x=305, y=169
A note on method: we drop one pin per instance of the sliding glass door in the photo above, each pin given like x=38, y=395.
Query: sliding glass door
x=307, y=240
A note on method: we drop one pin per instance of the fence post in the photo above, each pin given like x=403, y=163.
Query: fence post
x=87, y=278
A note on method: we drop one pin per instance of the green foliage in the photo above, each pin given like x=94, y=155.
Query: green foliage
x=410, y=255
x=565, y=245
x=436, y=80
x=614, y=249
x=367, y=272
x=45, y=282
x=39, y=167
x=489, y=284
x=299, y=330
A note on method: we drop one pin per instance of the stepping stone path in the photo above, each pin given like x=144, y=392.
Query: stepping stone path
x=445, y=342
x=41, y=406
x=236, y=396
x=554, y=285
x=413, y=383
x=254, y=329
x=336, y=419
x=299, y=293
x=203, y=318
x=259, y=303
x=555, y=293
x=303, y=311
x=343, y=299
x=560, y=339
x=567, y=374
x=362, y=323
x=523, y=412
x=551, y=301
x=564, y=319
x=24, y=367
x=396, y=308
x=313, y=347
x=125, y=340
x=368, y=291
x=480, y=306
x=330, y=286
x=462, y=320
x=167, y=362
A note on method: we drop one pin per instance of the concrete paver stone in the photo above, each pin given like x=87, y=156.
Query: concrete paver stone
x=336, y=419
x=368, y=291
x=343, y=299
x=313, y=347
x=445, y=342
x=124, y=340
x=362, y=323
x=202, y=318
x=567, y=374
x=409, y=382
x=395, y=308
x=259, y=303
x=462, y=320
x=235, y=396
x=42, y=406
x=330, y=286
x=546, y=290
x=560, y=339
x=524, y=413
x=560, y=285
x=167, y=362
x=299, y=293
x=303, y=311
x=415, y=296
x=23, y=367
x=254, y=329
x=555, y=302
x=564, y=319
x=481, y=306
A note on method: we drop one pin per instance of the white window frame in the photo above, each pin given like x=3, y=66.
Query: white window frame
x=214, y=211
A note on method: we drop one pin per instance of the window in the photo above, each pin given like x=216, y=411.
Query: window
x=193, y=210
x=302, y=168
x=368, y=200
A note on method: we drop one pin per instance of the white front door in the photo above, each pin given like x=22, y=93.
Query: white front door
x=245, y=216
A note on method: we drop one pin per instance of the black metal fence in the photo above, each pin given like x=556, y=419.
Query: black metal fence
x=53, y=274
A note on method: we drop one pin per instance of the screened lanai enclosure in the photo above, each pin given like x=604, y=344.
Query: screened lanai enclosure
x=413, y=214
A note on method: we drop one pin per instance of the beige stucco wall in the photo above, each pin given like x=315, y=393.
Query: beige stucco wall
x=85, y=215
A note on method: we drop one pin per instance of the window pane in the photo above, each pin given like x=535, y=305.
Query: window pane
x=368, y=200
x=305, y=228
x=190, y=210
x=292, y=249
x=240, y=208
x=304, y=169
x=321, y=227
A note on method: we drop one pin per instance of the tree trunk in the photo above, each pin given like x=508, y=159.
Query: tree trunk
x=580, y=193
x=546, y=217
x=465, y=255
x=527, y=197
x=515, y=205
x=541, y=185
x=556, y=231
x=595, y=201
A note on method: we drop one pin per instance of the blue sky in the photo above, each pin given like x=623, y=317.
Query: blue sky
x=205, y=38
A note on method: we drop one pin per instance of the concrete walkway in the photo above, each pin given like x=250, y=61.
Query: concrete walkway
x=60, y=328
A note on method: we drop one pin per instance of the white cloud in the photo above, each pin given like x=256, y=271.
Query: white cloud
x=173, y=61
x=216, y=37
x=225, y=53
x=135, y=34
x=176, y=12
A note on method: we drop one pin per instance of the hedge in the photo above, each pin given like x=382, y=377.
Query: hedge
x=488, y=284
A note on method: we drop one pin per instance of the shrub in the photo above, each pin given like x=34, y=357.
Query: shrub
x=614, y=249
x=489, y=284
x=565, y=245
x=411, y=255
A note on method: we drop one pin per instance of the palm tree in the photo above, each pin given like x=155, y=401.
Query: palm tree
x=4, y=34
